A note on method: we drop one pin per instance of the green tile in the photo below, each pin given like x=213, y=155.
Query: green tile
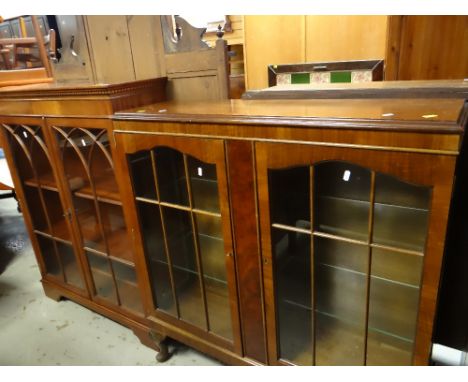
x=300, y=78
x=340, y=77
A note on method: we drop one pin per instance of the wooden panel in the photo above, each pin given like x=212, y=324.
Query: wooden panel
x=193, y=88
x=110, y=48
x=271, y=40
x=147, y=46
x=71, y=68
x=343, y=38
x=437, y=172
x=433, y=47
x=241, y=183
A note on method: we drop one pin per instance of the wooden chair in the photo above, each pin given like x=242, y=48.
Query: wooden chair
x=26, y=59
x=194, y=70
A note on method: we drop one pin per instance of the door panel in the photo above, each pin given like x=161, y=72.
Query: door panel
x=184, y=220
x=348, y=239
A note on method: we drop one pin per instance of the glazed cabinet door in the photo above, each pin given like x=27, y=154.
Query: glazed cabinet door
x=45, y=211
x=85, y=162
x=179, y=191
x=352, y=242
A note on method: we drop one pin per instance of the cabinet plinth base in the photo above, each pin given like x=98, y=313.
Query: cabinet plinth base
x=161, y=345
x=52, y=292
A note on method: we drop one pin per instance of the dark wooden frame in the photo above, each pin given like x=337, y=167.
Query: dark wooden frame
x=376, y=66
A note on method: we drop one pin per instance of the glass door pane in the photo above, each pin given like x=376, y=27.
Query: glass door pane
x=342, y=199
x=33, y=164
x=89, y=170
x=360, y=280
x=341, y=287
x=181, y=226
x=400, y=230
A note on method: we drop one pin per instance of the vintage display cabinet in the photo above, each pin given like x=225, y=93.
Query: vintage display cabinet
x=278, y=232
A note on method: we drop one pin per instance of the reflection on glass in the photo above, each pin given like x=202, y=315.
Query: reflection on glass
x=56, y=215
x=171, y=176
x=204, y=185
x=74, y=168
x=115, y=231
x=33, y=144
x=41, y=163
x=100, y=165
x=141, y=170
x=211, y=243
x=290, y=196
x=338, y=342
x=22, y=164
x=400, y=267
x=180, y=238
x=33, y=200
x=151, y=230
x=127, y=286
x=393, y=308
x=102, y=277
x=88, y=222
x=184, y=265
x=291, y=251
x=401, y=213
x=70, y=265
x=184, y=244
x=340, y=284
x=342, y=195
x=189, y=296
x=387, y=350
x=51, y=262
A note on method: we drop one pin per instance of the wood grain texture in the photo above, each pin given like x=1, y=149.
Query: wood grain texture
x=343, y=38
x=243, y=204
x=327, y=135
x=430, y=47
x=280, y=39
x=146, y=46
x=108, y=40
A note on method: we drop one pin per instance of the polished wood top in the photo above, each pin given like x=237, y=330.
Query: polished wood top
x=50, y=90
x=432, y=114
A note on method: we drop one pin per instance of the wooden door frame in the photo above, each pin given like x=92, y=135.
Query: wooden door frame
x=437, y=173
x=210, y=151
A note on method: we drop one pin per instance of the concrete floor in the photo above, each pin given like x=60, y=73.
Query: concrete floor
x=35, y=330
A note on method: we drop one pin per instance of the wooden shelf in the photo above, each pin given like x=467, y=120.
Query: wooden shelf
x=106, y=190
x=59, y=232
x=46, y=181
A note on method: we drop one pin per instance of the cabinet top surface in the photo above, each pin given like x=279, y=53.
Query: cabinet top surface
x=445, y=114
x=48, y=90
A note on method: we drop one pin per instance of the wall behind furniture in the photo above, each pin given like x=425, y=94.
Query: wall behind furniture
x=299, y=39
x=427, y=47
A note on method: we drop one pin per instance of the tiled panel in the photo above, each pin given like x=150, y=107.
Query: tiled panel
x=283, y=79
x=340, y=77
x=300, y=78
x=361, y=76
x=320, y=77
